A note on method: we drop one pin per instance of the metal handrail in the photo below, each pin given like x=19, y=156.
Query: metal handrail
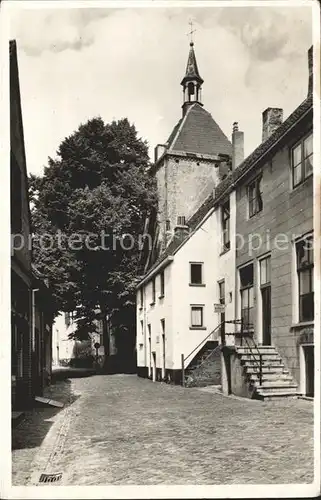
x=259, y=361
x=209, y=355
x=216, y=328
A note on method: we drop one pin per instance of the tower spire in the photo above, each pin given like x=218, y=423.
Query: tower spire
x=190, y=33
x=192, y=81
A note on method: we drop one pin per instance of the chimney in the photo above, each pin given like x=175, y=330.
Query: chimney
x=237, y=146
x=271, y=120
x=181, y=230
x=310, y=66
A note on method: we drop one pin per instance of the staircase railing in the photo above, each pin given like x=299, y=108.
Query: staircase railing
x=183, y=359
x=207, y=336
x=258, y=361
x=218, y=347
x=243, y=334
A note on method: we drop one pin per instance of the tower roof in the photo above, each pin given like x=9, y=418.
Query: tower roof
x=191, y=67
x=198, y=132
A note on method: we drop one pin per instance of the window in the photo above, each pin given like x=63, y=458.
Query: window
x=162, y=284
x=304, y=257
x=302, y=160
x=142, y=327
x=265, y=271
x=197, y=316
x=191, y=91
x=168, y=225
x=255, y=197
x=141, y=298
x=247, y=296
x=221, y=287
x=196, y=273
x=226, y=226
x=153, y=291
x=181, y=221
x=16, y=198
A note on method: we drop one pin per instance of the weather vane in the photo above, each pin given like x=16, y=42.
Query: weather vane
x=190, y=33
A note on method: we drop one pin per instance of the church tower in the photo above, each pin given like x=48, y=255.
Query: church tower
x=189, y=164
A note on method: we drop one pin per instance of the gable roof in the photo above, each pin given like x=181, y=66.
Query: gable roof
x=228, y=184
x=199, y=133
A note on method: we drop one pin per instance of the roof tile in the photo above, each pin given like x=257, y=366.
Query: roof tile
x=199, y=134
x=227, y=184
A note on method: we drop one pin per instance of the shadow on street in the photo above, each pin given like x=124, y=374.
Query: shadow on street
x=37, y=422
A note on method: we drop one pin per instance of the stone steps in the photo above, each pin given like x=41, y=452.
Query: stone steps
x=268, y=357
x=269, y=396
x=276, y=379
x=266, y=369
x=280, y=384
x=268, y=350
x=272, y=377
x=268, y=364
x=278, y=388
x=205, y=368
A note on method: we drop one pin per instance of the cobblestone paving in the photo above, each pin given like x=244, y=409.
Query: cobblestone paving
x=125, y=430
x=32, y=440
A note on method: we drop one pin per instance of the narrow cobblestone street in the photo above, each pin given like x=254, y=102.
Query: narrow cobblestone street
x=120, y=430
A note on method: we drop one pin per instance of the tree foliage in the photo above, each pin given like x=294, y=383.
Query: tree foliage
x=95, y=191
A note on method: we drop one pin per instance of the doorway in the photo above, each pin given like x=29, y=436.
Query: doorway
x=266, y=315
x=309, y=370
x=154, y=366
x=247, y=297
x=149, y=351
x=265, y=286
x=221, y=287
x=163, y=349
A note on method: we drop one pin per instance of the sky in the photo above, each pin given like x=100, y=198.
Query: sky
x=78, y=63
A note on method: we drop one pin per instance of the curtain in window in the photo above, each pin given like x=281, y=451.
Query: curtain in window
x=197, y=316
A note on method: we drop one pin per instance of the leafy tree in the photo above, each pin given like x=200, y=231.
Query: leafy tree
x=97, y=190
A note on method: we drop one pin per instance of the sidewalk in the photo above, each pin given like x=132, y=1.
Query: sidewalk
x=28, y=435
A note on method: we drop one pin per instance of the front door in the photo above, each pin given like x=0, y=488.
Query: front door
x=154, y=366
x=309, y=370
x=266, y=314
x=265, y=285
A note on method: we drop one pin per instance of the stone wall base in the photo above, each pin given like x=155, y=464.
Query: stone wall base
x=171, y=376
